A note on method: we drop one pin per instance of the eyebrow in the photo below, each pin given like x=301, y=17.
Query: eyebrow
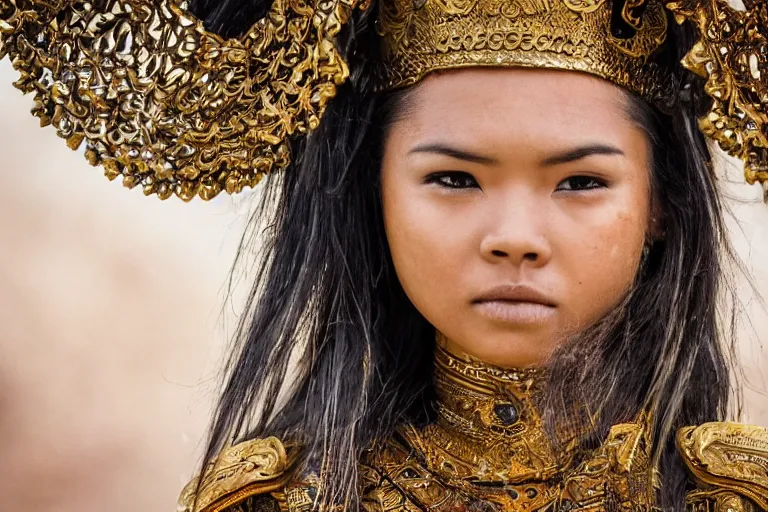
x=581, y=152
x=571, y=155
x=459, y=154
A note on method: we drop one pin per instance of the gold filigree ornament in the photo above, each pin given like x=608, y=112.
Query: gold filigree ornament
x=165, y=103
x=732, y=55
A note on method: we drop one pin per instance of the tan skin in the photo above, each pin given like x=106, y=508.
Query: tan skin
x=517, y=219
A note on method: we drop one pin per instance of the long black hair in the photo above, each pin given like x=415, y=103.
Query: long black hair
x=330, y=354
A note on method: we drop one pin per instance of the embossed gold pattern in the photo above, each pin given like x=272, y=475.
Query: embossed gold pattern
x=424, y=36
x=235, y=474
x=477, y=456
x=718, y=500
x=166, y=104
x=733, y=55
x=486, y=451
x=728, y=456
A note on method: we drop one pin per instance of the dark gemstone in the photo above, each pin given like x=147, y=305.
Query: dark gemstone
x=507, y=413
x=513, y=494
x=531, y=493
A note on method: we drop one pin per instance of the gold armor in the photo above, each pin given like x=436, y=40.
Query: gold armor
x=177, y=110
x=487, y=451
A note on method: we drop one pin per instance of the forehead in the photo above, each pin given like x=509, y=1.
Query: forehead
x=536, y=106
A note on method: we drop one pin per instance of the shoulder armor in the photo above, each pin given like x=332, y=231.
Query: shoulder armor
x=246, y=469
x=618, y=475
x=728, y=461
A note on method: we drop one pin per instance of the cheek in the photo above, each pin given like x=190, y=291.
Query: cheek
x=426, y=245
x=604, y=265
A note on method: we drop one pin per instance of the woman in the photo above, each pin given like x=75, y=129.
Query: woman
x=491, y=267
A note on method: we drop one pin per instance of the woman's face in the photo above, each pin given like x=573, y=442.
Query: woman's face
x=516, y=205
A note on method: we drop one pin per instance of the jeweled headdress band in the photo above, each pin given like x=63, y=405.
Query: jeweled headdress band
x=176, y=109
x=422, y=36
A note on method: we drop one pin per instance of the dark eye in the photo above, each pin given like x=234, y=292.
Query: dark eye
x=578, y=183
x=452, y=179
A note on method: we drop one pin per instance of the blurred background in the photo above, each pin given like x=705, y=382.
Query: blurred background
x=113, y=324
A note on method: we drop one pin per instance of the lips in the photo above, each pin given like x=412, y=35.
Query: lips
x=515, y=293
x=519, y=305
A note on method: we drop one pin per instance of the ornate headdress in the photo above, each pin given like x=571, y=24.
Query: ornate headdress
x=177, y=109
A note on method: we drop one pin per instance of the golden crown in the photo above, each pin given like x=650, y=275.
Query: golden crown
x=422, y=36
x=178, y=110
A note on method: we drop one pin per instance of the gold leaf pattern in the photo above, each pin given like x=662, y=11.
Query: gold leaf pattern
x=166, y=104
x=732, y=55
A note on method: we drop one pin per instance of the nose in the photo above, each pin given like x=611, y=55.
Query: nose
x=517, y=233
